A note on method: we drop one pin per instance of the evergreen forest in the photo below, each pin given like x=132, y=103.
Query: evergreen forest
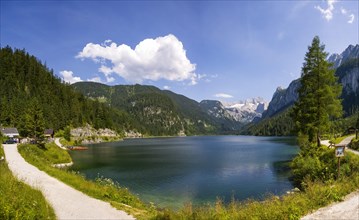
x=31, y=91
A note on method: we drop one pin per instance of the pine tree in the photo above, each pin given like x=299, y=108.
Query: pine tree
x=319, y=93
x=35, y=124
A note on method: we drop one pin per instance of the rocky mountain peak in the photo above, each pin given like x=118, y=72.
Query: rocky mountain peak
x=350, y=52
x=246, y=110
x=283, y=98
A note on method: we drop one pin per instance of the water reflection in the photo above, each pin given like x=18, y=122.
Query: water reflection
x=172, y=171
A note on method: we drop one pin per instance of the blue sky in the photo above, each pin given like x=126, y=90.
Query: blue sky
x=224, y=50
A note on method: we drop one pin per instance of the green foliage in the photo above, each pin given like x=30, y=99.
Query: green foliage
x=29, y=88
x=340, y=126
x=354, y=144
x=318, y=94
x=50, y=154
x=67, y=133
x=315, y=164
x=34, y=121
x=20, y=201
x=278, y=125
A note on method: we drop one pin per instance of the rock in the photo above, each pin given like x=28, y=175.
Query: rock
x=133, y=134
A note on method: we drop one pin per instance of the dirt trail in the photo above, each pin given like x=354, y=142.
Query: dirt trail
x=348, y=209
x=57, y=142
x=67, y=202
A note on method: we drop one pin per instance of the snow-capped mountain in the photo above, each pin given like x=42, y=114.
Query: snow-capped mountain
x=235, y=114
x=246, y=111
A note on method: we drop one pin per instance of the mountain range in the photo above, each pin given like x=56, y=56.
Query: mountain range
x=171, y=113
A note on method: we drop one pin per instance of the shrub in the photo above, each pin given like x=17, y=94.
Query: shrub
x=354, y=144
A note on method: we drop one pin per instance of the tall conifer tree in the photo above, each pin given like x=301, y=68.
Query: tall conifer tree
x=35, y=124
x=319, y=93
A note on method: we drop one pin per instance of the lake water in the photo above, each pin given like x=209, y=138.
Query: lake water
x=174, y=171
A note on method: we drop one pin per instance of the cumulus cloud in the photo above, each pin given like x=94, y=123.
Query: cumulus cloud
x=69, y=77
x=152, y=59
x=327, y=13
x=351, y=17
x=223, y=95
x=167, y=87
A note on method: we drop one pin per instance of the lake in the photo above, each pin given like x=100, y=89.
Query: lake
x=174, y=171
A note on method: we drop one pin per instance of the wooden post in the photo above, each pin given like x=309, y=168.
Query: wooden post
x=338, y=167
x=339, y=152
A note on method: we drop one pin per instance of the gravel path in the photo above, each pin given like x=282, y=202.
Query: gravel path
x=348, y=209
x=57, y=142
x=67, y=202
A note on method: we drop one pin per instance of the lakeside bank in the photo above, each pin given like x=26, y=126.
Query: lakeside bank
x=284, y=207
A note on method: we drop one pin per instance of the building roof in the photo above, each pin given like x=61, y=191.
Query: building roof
x=49, y=131
x=9, y=131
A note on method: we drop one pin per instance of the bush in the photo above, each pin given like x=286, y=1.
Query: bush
x=354, y=144
x=315, y=163
x=67, y=133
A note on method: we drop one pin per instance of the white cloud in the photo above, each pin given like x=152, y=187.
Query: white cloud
x=152, y=59
x=345, y=12
x=167, y=87
x=109, y=79
x=351, y=18
x=327, y=13
x=95, y=79
x=69, y=77
x=223, y=95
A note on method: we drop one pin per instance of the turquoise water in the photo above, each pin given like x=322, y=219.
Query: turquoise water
x=174, y=171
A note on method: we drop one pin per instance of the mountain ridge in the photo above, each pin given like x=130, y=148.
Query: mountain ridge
x=346, y=66
x=283, y=98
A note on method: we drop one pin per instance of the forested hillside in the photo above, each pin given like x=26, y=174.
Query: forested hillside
x=280, y=124
x=27, y=85
x=155, y=111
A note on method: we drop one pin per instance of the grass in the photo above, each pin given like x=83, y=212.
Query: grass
x=50, y=154
x=64, y=142
x=102, y=188
x=20, y=201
